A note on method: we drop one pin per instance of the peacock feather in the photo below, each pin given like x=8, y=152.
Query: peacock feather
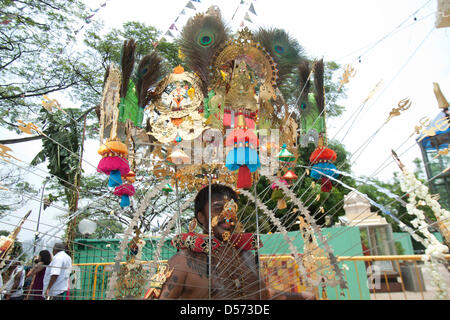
x=127, y=64
x=304, y=84
x=285, y=50
x=312, y=103
x=319, y=85
x=149, y=72
x=200, y=39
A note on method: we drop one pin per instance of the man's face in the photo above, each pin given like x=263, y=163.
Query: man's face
x=217, y=205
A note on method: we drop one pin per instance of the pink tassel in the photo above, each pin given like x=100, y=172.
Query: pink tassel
x=108, y=164
x=124, y=189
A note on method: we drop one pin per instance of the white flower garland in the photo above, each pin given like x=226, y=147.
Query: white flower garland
x=434, y=252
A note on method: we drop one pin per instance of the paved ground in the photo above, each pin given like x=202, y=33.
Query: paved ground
x=429, y=294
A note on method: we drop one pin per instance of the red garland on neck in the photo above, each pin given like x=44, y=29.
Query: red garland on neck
x=199, y=242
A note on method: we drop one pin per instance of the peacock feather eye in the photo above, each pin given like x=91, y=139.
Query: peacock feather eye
x=279, y=49
x=205, y=39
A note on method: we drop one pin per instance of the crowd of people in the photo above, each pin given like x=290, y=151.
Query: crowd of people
x=47, y=279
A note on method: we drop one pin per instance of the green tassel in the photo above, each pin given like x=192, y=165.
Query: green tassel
x=277, y=194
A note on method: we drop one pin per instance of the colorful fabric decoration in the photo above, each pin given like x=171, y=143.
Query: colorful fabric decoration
x=243, y=156
x=285, y=155
x=322, y=160
x=124, y=191
x=113, y=162
x=290, y=175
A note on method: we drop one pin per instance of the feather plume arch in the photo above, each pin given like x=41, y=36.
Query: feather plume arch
x=200, y=39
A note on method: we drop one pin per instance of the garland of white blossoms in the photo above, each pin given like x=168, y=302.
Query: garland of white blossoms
x=136, y=216
x=434, y=253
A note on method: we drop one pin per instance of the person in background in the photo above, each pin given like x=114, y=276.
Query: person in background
x=28, y=280
x=14, y=286
x=56, y=277
x=37, y=272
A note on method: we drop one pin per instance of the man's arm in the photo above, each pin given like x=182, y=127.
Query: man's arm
x=50, y=284
x=174, y=285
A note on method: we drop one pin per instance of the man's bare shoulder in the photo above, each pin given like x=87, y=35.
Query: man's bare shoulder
x=185, y=258
x=194, y=263
x=182, y=256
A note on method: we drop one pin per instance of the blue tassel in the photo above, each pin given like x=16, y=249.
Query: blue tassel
x=114, y=179
x=125, y=201
x=242, y=157
x=323, y=168
x=231, y=160
x=253, y=162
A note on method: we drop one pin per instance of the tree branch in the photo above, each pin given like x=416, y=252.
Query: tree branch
x=11, y=141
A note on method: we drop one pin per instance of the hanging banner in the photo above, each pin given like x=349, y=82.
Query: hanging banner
x=247, y=17
x=252, y=9
x=190, y=5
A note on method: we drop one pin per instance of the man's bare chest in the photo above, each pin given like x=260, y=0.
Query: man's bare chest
x=226, y=276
